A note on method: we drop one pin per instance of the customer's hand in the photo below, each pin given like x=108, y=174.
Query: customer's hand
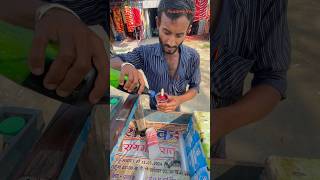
x=80, y=50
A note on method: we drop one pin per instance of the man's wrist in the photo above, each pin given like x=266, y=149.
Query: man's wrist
x=187, y=96
x=180, y=99
x=225, y=120
x=126, y=63
x=44, y=9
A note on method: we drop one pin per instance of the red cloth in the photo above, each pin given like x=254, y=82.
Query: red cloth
x=201, y=9
x=208, y=13
x=129, y=18
x=117, y=18
x=136, y=17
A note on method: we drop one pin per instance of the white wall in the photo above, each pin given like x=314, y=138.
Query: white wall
x=150, y=4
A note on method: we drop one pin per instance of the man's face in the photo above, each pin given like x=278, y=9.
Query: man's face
x=172, y=32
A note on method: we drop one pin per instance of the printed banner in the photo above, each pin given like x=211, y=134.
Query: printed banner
x=133, y=154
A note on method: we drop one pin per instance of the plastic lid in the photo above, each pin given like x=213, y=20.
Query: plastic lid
x=152, y=93
x=12, y=125
x=114, y=101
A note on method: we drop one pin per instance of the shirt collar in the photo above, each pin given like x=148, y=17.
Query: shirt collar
x=183, y=58
x=159, y=51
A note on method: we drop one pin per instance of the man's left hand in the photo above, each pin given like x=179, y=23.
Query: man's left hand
x=172, y=104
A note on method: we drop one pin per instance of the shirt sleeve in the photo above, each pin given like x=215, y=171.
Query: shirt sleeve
x=134, y=57
x=91, y=12
x=273, y=48
x=195, y=79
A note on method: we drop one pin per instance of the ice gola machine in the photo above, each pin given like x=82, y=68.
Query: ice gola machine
x=170, y=148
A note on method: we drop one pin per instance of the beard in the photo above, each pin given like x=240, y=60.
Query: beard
x=174, y=48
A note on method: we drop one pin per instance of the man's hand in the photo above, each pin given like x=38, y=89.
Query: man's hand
x=172, y=104
x=79, y=50
x=217, y=125
x=255, y=105
x=135, y=78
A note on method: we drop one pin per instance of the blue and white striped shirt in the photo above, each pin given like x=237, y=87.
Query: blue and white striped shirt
x=252, y=36
x=151, y=59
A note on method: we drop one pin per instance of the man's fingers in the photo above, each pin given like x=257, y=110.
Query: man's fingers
x=141, y=83
x=121, y=78
x=162, y=105
x=72, y=79
x=79, y=69
x=129, y=81
x=165, y=109
x=171, y=102
x=171, y=107
x=100, y=60
x=99, y=89
x=60, y=66
x=134, y=82
x=37, y=54
x=168, y=110
x=160, y=108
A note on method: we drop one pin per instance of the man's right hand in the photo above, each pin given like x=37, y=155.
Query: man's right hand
x=80, y=49
x=135, y=78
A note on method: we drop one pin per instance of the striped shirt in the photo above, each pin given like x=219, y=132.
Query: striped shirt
x=151, y=59
x=251, y=36
x=91, y=12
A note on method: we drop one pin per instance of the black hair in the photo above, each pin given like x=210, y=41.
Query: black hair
x=177, y=8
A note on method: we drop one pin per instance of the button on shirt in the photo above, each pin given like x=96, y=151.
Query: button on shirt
x=151, y=59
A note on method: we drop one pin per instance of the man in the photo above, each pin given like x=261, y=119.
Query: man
x=249, y=36
x=80, y=49
x=167, y=64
